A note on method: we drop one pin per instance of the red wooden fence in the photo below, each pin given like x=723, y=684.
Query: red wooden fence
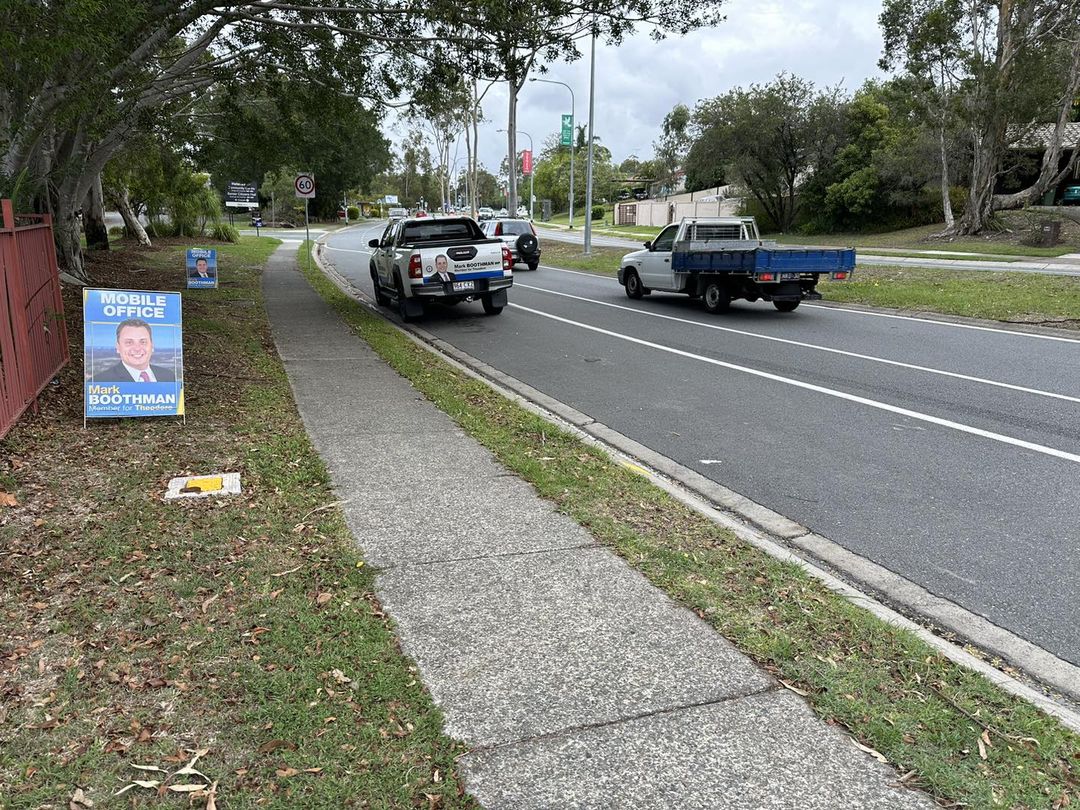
x=33, y=334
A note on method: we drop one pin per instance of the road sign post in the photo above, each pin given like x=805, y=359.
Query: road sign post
x=305, y=189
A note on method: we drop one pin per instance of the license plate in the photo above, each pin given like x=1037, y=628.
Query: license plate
x=788, y=276
x=464, y=286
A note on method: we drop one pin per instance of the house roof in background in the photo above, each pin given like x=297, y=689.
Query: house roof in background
x=1038, y=137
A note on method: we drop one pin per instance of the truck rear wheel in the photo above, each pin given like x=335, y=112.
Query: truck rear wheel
x=490, y=307
x=402, y=304
x=634, y=287
x=786, y=306
x=716, y=297
x=380, y=297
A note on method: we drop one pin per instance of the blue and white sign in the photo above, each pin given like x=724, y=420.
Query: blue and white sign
x=201, y=268
x=133, y=357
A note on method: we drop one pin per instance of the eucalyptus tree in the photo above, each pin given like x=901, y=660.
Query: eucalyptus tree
x=79, y=79
x=1000, y=68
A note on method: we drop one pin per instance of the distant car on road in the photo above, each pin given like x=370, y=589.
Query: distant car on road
x=397, y=213
x=484, y=213
x=503, y=213
x=519, y=236
x=522, y=212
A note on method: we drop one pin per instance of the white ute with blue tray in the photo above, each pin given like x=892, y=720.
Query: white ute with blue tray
x=719, y=259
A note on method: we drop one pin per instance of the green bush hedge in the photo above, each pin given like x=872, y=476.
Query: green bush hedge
x=353, y=212
x=224, y=232
x=598, y=212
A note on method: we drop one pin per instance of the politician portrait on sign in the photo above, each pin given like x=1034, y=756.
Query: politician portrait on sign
x=202, y=268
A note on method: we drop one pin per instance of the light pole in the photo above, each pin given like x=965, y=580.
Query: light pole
x=589, y=163
x=531, y=174
x=571, y=89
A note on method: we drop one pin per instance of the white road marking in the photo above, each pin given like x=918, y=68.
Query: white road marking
x=801, y=344
x=946, y=323
x=875, y=314
x=345, y=250
x=872, y=403
x=710, y=461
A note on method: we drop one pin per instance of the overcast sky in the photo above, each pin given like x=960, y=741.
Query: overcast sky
x=637, y=83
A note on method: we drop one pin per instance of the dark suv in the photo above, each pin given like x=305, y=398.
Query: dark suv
x=520, y=236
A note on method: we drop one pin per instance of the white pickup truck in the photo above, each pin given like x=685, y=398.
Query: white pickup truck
x=719, y=259
x=447, y=259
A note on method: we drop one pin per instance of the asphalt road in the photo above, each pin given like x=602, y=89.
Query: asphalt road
x=1051, y=267
x=948, y=453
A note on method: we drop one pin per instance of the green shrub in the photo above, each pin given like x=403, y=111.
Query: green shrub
x=118, y=230
x=224, y=232
x=158, y=227
x=598, y=212
x=353, y=212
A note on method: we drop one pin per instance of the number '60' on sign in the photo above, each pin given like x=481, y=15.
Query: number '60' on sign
x=305, y=185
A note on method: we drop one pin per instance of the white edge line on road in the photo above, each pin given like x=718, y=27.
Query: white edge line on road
x=873, y=403
x=344, y=250
x=929, y=321
x=871, y=358
x=946, y=323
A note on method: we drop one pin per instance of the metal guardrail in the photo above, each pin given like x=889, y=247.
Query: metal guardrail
x=33, y=333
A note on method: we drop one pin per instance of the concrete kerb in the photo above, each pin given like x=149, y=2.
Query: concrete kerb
x=748, y=519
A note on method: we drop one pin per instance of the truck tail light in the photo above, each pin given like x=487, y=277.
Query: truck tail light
x=841, y=275
x=766, y=277
x=508, y=260
x=415, y=268
x=498, y=229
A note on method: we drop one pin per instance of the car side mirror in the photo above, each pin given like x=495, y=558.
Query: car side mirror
x=648, y=245
x=373, y=243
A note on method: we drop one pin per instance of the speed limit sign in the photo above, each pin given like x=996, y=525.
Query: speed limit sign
x=305, y=186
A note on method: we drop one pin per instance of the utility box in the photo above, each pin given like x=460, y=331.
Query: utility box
x=1046, y=233
x=545, y=210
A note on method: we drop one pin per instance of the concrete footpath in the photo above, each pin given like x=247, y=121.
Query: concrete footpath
x=575, y=682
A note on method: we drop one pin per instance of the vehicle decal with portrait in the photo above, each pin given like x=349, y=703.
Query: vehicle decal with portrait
x=133, y=357
x=202, y=268
x=440, y=266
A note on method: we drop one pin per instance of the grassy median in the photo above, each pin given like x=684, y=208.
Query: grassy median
x=239, y=632
x=944, y=728
x=1030, y=298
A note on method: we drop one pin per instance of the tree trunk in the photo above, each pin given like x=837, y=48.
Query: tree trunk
x=1049, y=174
x=97, y=234
x=131, y=220
x=67, y=233
x=946, y=201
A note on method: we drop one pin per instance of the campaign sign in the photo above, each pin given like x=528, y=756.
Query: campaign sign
x=132, y=354
x=201, y=268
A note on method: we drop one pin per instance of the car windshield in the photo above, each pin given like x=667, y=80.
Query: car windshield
x=438, y=230
x=514, y=227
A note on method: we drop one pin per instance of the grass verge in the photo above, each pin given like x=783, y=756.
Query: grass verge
x=945, y=728
x=603, y=261
x=915, y=254
x=240, y=630
x=923, y=238
x=1030, y=298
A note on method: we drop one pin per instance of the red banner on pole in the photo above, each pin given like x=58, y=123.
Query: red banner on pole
x=526, y=162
